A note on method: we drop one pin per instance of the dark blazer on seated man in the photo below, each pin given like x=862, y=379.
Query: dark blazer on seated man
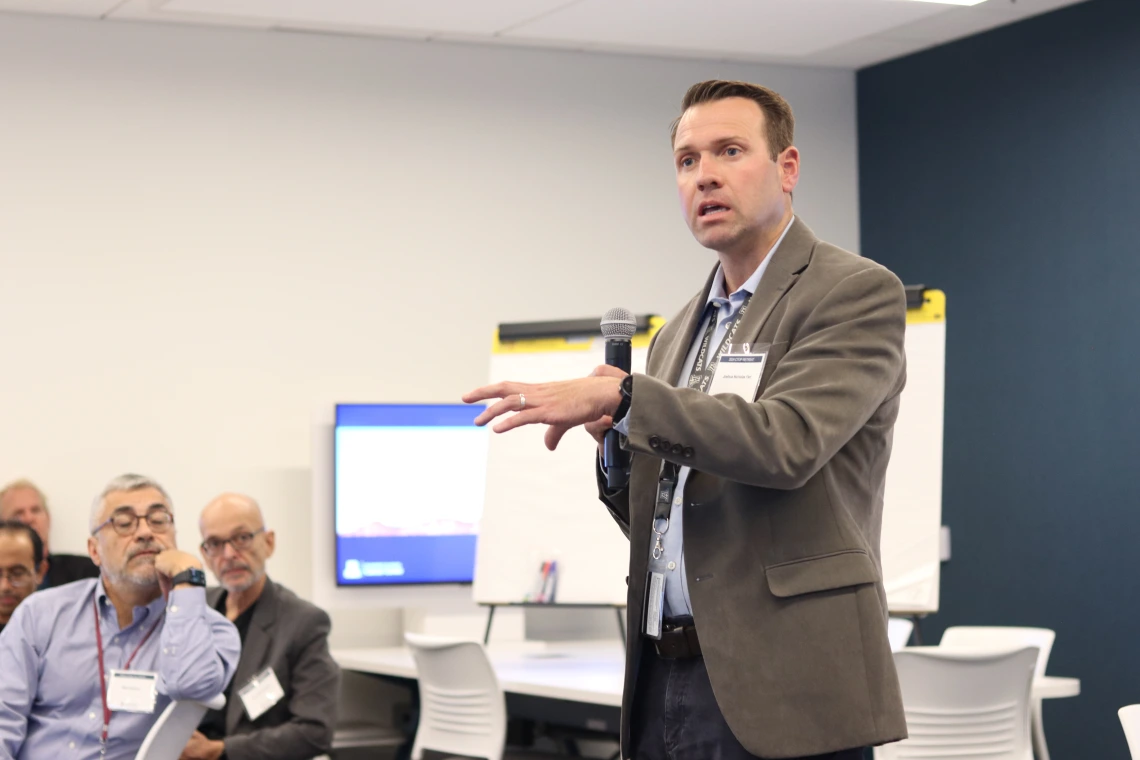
x=290, y=635
x=282, y=702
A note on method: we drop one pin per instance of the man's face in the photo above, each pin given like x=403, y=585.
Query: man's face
x=730, y=188
x=239, y=562
x=126, y=555
x=21, y=577
x=25, y=505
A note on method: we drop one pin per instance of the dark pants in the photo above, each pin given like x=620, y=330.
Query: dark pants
x=676, y=717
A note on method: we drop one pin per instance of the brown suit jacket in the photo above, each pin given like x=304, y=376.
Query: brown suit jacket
x=291, y=636
x=784, y=506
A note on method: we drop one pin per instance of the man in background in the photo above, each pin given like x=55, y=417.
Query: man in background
x=21, y=566
x=282, y=702
x=22, y=501
x=88, y=667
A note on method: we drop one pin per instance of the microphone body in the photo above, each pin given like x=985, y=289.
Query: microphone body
x=618, y=327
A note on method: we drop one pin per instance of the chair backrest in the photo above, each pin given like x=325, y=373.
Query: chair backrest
x=993, y=637
x=1130, y=719
x=170, y=733
x=962, y=704
x=462, y=707
x=898, y=632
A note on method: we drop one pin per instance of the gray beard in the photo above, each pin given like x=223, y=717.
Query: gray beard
x=245, y=586
x=143, y=579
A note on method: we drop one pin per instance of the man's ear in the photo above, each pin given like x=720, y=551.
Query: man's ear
x=270, y=543
x=93, y=551
x=789, y=165
x=41, y=573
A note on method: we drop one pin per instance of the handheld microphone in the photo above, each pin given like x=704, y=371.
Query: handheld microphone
x=618, y=327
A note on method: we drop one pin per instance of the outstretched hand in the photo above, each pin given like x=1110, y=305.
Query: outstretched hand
x=559, y=405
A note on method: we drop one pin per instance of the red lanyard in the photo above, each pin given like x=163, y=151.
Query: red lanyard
x=127, y=666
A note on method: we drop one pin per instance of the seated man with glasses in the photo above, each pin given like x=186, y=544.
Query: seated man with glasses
x=282, y=702
x=22, y=566
x=88, y=667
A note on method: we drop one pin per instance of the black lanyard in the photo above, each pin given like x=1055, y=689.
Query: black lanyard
x=699, y=379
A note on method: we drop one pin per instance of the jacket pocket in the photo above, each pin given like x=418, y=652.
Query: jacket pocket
x=821, y=573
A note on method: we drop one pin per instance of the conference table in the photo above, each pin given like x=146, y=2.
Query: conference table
x=573, y=684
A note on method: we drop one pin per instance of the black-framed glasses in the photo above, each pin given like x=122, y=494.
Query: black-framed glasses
x=18, y=577
x=240, y=541
x=126, y=521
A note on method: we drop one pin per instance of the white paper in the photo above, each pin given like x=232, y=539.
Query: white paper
x=739, y=374
x=132, y=691
x=262, y=692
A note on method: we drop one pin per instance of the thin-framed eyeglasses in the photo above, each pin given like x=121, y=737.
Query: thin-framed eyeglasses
x=125, y=521
x=240, y=541
x=18, y=577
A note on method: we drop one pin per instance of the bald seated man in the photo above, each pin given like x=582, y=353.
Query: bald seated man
x=23, y=501
x=282, y=702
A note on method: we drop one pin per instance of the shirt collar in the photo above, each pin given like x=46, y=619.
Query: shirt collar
x=716, y=292
x=139, y=614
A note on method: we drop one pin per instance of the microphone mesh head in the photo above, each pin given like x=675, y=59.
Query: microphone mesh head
x=618, y=323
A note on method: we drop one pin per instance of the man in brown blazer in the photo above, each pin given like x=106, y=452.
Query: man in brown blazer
x=759, y=439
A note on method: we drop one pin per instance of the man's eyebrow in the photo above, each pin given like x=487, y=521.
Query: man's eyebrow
x=686, y=148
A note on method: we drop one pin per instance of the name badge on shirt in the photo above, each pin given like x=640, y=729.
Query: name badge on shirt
x=132, y=691
x=739, y=374
x=262, y=692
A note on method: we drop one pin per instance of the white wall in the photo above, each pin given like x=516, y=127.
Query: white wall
x=205, y=233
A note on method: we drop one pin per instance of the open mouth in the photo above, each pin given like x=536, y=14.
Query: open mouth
x=711, y=209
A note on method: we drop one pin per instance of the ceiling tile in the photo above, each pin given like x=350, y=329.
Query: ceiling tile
x=733, y=27
x=961, y=22
x=87, y=8
x=460, y=16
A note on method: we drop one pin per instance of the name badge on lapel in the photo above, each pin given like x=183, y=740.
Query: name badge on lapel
x=740, y=373
x=132, y=691
x=262, y=692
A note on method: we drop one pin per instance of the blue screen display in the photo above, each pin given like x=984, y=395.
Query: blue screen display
x=409, y=482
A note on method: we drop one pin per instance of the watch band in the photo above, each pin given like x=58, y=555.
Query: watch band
x=626, y=399
x=192, y=575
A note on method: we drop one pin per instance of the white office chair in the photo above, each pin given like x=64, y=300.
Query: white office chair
x=994, y=637
x=462, y=706
x=170, y=733
x=962, y=704
x=898, y=632
x=1130, y=720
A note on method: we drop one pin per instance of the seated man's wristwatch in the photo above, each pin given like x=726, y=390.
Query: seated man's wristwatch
x=191, y=575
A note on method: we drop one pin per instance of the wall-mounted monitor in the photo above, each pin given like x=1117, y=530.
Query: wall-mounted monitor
x=409, y=483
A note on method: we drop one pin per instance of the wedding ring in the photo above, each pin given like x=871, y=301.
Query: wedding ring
x=522, y=402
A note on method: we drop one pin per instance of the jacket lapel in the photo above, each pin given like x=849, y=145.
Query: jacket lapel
x=254, y=652
x=788, y=261
x=678, y=348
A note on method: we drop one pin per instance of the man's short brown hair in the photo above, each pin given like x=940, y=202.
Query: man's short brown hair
x=778, y=119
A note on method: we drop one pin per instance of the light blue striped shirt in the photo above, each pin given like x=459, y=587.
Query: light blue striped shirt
x=50, y=707
x=676, y=584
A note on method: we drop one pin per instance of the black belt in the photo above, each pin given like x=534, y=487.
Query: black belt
x=678, y=640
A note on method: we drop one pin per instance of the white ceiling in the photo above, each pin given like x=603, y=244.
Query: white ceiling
x=843, y=33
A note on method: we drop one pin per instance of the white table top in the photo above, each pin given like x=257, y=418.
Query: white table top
x=585, y=671
x=589, y=671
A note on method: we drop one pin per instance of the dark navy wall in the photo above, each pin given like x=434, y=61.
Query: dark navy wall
x=1005, y=170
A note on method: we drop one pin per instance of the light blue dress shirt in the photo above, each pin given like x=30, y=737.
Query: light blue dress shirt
x=676, y=584
x=50, y=707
